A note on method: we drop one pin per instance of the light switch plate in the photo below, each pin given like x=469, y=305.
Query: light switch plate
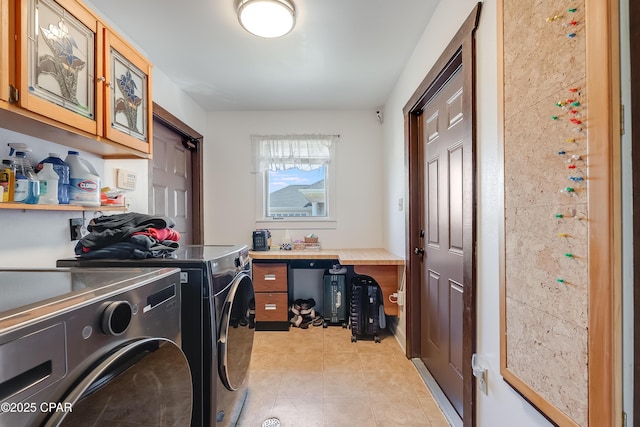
x=125, y=179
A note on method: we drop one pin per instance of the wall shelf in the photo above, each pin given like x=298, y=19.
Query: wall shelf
x=26, y=207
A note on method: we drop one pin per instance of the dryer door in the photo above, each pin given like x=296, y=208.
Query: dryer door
x=236, y=338
x=145, y=383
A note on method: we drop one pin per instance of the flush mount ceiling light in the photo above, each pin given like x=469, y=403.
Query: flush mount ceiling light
x=267, y=18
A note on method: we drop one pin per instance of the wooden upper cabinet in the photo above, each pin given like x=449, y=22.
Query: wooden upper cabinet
x=4, y=50
x=57, y=62
x=71, y=68
x=127, y=95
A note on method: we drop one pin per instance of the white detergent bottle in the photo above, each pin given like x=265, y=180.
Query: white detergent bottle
x=49, y=179
x=84, y=182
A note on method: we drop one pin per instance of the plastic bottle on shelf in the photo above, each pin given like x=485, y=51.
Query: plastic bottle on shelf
x=62, y=169
x=84, y=181
x=7, y=180
x=27, y=188
x=48, y=185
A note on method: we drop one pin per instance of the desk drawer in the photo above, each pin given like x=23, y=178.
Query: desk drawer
x=272, y=307
x=269, y=277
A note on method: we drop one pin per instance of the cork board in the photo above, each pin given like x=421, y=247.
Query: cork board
x=546, y=280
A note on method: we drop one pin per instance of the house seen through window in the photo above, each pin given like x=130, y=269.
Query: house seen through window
x=296, y=176
x=294, y=192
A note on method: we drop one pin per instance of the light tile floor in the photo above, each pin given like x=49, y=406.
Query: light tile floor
x=318, y=377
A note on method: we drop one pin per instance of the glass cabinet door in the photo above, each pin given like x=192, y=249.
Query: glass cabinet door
x=4, y=50
x=127, y=96
x=59, y=51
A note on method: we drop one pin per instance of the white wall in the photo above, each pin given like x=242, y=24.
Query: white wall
x=39, y=238
x=627, y=221
x=502, y=406
x=230, y=190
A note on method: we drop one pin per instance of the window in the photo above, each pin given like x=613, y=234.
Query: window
x=296, y=179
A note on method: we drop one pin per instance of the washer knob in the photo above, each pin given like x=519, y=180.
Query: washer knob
x=116, y=318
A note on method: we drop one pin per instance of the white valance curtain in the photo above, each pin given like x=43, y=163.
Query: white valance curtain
x=282, y=152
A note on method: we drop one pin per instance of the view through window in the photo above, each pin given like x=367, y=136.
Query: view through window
x=297, y=193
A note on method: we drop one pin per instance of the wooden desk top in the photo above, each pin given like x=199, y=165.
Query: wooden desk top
x=344, y=256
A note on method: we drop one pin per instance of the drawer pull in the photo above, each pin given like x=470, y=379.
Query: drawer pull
x=269, y=277
x=270, y=307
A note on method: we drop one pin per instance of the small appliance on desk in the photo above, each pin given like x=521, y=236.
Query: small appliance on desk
x=261, y=240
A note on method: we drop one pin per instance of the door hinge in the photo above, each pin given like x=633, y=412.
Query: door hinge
x=14, y=94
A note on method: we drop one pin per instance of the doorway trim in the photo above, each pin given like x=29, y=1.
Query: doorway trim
x=634, y=35
x=193, y=141
x=461, y=48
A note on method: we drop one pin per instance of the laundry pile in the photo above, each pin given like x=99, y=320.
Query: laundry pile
x=304, y=313
x=129, y=235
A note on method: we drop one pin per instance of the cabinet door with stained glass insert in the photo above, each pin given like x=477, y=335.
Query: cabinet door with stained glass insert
x=128, y=95
x=60, y=55
x=4, y=50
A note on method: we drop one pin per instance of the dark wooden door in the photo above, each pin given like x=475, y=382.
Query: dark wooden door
x=442, y=133
x=171, y=180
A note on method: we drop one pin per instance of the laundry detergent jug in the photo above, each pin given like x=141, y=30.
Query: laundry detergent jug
x=84, y=182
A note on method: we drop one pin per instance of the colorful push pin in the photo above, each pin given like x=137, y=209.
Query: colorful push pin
x=568, y=255
x=560, y=280
x=578, y=129
x=576, y=157
x=559, y=104
x=563, y=235
x=573, y=111
x=575, y=103
x=554, y=117
x=573, y=89
x=573, y=23
x=562, y=153
x=576, y=178
x=559, y=216
x=571, y=140
x=575, y=121
x=572, y=10
x=570, y=190
x=571, y=166
x=571, y=35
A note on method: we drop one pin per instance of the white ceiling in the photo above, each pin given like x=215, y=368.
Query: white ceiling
x=342, y=54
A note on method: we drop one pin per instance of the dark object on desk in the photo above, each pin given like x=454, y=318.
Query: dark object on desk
x=261, y=240
x=335, y=298
x=366, y=313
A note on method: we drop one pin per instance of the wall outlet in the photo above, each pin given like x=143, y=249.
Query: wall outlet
x=75, y=228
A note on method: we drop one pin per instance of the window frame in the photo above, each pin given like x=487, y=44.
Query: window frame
x=302, y=222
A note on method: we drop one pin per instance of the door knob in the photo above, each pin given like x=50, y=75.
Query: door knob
x=418, y=251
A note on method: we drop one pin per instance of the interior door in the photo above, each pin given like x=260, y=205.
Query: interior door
x=442, y=278
x=171, y=180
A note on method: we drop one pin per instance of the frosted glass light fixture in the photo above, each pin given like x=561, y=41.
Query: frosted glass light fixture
x=267, y=18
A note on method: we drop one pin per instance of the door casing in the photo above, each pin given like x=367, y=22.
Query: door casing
x=193, y=140
x=462, y=49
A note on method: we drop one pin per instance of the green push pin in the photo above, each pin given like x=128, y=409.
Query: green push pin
x=568, y=255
